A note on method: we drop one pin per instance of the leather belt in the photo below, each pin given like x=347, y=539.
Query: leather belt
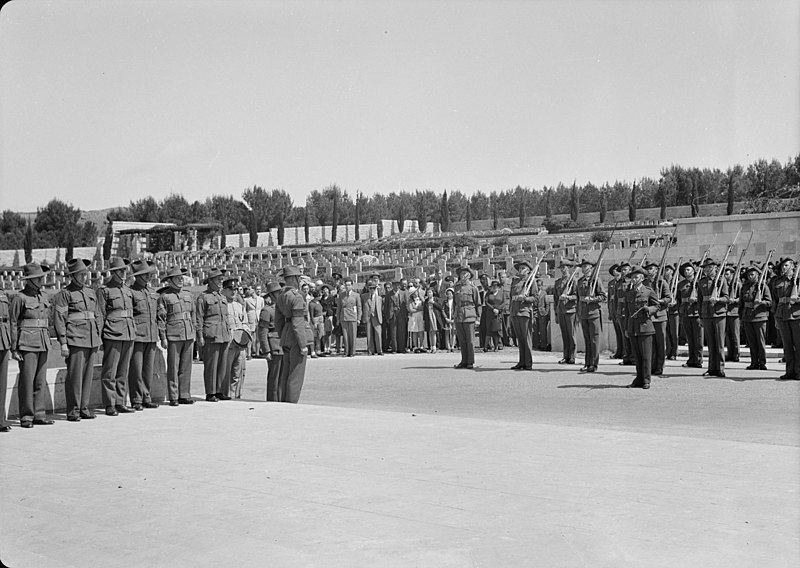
x=120, y=313
x=178, y=316
x=40, y=323
x=80, y=316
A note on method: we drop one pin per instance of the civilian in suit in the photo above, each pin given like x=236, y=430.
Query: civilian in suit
x=349, y=314
x=372, y=317
x=391, y=306
x=402, y=317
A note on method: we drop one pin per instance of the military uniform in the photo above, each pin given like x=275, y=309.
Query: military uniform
x=732, y=336
x=659, y=319
x=271, y=345
x=713, y=316
x=787, y=316
x=211, y=315
x=465, y=308
x=175, y=316
x=689, y=310
x=145, y=347
x=5, y=354
x=613, y=286
x=673, y=320
x=291, y=311
x=623, y=286
x=115, y=301
x=78, y=327
x=642, y=304
x=754, y=311
x=522, y=305
x=588, y=307
x=29, y=313
x=565, y=313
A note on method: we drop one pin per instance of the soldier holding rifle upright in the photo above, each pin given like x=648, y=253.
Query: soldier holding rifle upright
x=754, y=304
x=689, y=310
x=590, y=295
x=712, y=294
x=642, y=304
x=659, y=319
x=523, y=300
x=565, y=311
x=787, y=316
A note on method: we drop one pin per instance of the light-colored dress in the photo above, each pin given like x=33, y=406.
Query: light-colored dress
x=416, y=321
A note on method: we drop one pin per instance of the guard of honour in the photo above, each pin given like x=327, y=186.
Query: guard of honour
x=647, y=304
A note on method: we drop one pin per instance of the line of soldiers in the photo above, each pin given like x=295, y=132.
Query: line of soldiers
x=130, y=323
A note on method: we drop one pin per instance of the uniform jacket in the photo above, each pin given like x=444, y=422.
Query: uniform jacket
x=642, y=303
x=612, y=299
x=565, y=305
x=5, y=326
x=291, y=318
x=145, y=313
x=115, y=302
x=211, y=317
x=785, y=309
x=748, y=308
x=733, y=300
x=349, y=308
x=76, y=317
x=687, y=307
x=266, y=320
x=522, y=304
x=29, y=320
x=664, y=297
x=176, y=315
x=466, y=303
x=622, y=287
x=589, y=306
x=709, y=309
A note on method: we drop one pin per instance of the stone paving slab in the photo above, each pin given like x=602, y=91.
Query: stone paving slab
x=244, y=483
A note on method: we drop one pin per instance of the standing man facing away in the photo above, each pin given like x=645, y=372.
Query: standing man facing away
x=177, y=332
x=145, y=343
x=466, y=302
x=213, y=335
x=291, y=311
x=77, y=327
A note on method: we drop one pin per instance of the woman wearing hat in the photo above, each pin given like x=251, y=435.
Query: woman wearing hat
x=176, y=331
x=77, y=327
x=28, y=318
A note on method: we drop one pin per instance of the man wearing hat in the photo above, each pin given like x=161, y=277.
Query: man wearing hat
x=523, y=300
x=402, y=316
x=236, y=353
x=372, y=317
x=77, y=327
x=5, y=354
x=590, y=296
x=176, y=331
x=391, y=306
x=672, y=316
x=348, y=313
x=213, y=334
x=787, y=315
x=659, y=319
x=713, y=300
x=28, y=318
x=613, y=270
x=291, y=313
x=642, y=304
x=689, y=311
x=623, y=286
x=754, y=306
x=541, y=312
x=115, y=302
x=565, y=311
x=145, y=346
x=773, y=277
x=732, y=337
x=271, y=345
x=483, y=292
x=466, y=302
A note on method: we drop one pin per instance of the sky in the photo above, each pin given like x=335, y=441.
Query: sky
x=102, y=103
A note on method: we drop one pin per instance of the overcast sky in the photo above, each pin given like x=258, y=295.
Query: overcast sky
x=108, y=102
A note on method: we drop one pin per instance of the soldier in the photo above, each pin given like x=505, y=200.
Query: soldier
x=612, y=309
x=145, y=343
x=28, y=328
x=787, y=315
x=689, y=311
x=713, y=306
x=732, y=338
x=115, y=302
x=522, y=304
x=642, y=303
x=565, y=312
x=5, y=353
x=659, y=319
x=542, y=314
x=272, y=346
x=754, y=305
x=483, y=291
x=78, y=330
x=672, y=316
x=466, y=303
x=589, y=301
x=623, y=285
x=177, y=332
x=291, y=311
x=213, y=335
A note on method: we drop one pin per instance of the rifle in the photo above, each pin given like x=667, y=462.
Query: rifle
x=571, y=281
x=693, y=294
x=664, y=256
x=532, y=276
x=673, y=286
x=737, y=282
x=646, y=254
x=716, y=286
x=763, y=278
x=596, y=272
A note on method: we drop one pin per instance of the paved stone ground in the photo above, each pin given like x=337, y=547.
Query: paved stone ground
x=402, y=461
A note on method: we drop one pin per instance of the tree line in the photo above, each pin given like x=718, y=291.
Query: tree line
x=258, y=210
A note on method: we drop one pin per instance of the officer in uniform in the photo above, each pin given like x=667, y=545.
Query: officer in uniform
x=273, y=342
x=589, y=313
x=787, y=316
x=732, y=338
x=689, y=311
x=115, y=302
x=613, y=270
x=621, y=314
x=713, y=307
x=145, y=346
x=291, y=311
x=5, y=353
x=213, y=335
x=659, y=319
x=672, y=316
x=642, y=304
x=754, y=305
x=78, y=330
x=565, y=312
x=465, y=306
x=522, y=305
x=28, y=318
x=176, y=331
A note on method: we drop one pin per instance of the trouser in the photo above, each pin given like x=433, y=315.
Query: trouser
x=465, y=332
x=214, y=367
x=694, y=339
x=32, y=389
x=255, y=346
x=116, y=360
x=715, y=337
x=293, y=371
x=274, y=376
x=642, y=347
x=235, y=367
x=591, y=341
x=755, y=331
x=5, y=355
x=522, y=329
x=543, y=323
x=374, y=332
x=78, y=384
x=773, y=331
x=402, y=332
x=349, y=329
x=566, y=322
x=482, y=325
x=790, y=336
x=179, y=369
x=619, y=338
x=389, y=331
x=506, y=332
x=140, y=378
x=659, y=347
x=732, y=340
x=672, y=335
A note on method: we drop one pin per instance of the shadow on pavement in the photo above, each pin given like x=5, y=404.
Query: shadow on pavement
x=592, y=387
